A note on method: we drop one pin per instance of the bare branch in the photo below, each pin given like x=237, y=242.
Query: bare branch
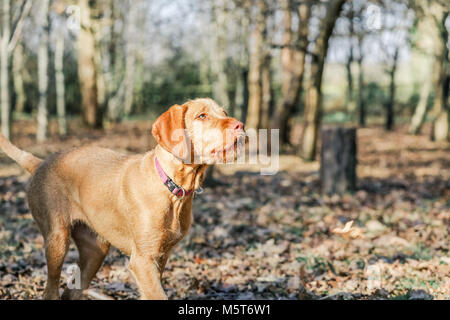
x=18, y=25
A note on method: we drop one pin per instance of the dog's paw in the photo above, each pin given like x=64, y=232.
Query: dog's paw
x=73, y=294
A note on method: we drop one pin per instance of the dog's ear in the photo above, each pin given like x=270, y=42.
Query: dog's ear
x=169, y=132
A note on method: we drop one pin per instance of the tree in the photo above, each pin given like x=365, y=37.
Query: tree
x=313, y=91
x=420, y=111
x=87, y=68
x=350, y=59
x=219, y=50
x=425, y=30
x=59, y=81
x=394, y=35
x=432, y=17
x=361, y=87
x=441, y=92
x=253, y=119
x=389, y=105
x=9, y=39
x=293, y=55
x=42, y=116
x=242, y=21
x=130, y=61
x=266, y=91
x=119, y=81
x=18, y=75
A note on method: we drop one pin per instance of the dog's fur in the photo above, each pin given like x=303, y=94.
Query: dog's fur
x=100, y=197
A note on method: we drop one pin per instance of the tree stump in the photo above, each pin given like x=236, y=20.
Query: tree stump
x=338, y=160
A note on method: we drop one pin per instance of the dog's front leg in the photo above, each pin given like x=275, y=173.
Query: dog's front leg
x=146, y=272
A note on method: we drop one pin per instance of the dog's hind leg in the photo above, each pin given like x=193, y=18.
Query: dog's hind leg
x=92, y=251
x=56, y=246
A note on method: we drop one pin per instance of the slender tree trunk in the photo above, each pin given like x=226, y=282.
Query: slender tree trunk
x=350, y=58
x=118, y=79
x=111, y=65
x=245, y=94
x=244, y=60
x=8, y=42
x=59, y=79
x=130, y=61
x=87, y=71
x=313, y=93
x=361, y=102
x=18, y=67
x=266, y=91
x=253, y=120
x=420, y=112
x=287, y=66
x=441, y=122
x=295, y=67
x=4, y=77
x=219, y=54
x=348, y=66
x=391, y=102
x=233, y=79
x=42, y=116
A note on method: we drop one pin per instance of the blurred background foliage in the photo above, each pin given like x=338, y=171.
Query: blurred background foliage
x=271, y=63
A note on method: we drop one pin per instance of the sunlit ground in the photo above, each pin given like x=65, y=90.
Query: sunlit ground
x=269, y=237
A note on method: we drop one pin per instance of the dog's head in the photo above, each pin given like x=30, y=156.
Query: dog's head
x=199, y=131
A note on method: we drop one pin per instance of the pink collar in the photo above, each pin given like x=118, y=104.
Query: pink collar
x=175, y=189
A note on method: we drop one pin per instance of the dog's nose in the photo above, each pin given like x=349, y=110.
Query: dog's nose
x=237, y=125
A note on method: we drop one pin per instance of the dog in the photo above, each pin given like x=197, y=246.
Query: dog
x=140, y=204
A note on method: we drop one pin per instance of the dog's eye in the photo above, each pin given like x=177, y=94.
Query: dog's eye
x=202, y=116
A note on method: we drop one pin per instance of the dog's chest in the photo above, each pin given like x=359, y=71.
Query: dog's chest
x=179, y=226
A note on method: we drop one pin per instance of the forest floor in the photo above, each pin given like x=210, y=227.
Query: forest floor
x=269, y=237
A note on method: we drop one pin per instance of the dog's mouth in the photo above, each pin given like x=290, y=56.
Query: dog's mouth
x=238, y=142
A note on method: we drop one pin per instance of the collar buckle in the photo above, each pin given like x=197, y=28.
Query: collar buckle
x=179, y=193
x=170, y=184
x=183, y=193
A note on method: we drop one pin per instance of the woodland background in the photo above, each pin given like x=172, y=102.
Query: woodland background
x=100, y=71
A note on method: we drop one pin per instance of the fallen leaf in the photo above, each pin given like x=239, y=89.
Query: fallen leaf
x=349, y=232
x=198, y=260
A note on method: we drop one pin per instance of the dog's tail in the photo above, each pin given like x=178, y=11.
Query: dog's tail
x=25, y=159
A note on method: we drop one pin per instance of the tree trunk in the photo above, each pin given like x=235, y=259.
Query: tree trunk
x=59, y=81
x=391, y=102
x=130, y=61
x=18, y=67
x=293, y=71
x=245, y=94
x=338, y=160
x=219, y=54
x=361, y=102
x=266, y=91
x=111, y=62
x=313, y=93
x=421, y=109
x=87, y=71
x=253, y=120
x=42, y=116
x=244, y=59
x=4, y=77
x=287, y=66
x=441, y=122
x=350, y=58
x=350, y=100
x=233, y=94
